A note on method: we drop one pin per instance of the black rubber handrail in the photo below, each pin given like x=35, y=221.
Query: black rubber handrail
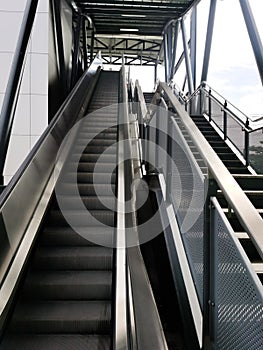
x=14, y=82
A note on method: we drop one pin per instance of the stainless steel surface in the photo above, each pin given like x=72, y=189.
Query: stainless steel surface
x=28, y=193
x=246, y=212
x=236, y=291
x=120, y=339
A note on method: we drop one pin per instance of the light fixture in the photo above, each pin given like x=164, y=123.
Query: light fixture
x=129, y=29
x=135, y=16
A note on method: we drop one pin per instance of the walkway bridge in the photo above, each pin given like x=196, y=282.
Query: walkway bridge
x=135, y=222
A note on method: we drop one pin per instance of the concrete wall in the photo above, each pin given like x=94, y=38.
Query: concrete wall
x=32, y=110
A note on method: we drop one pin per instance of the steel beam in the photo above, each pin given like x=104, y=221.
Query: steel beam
x=170, y=47
x=253, y=35
x=209, y=36
x=165, y=41
x=175, y=40
x=193, y=36
x=14, y=82
x=84, y=43
x=60, y=46
x=180, y=60
x=75, y=62
x=187, y=59
x=92, y=44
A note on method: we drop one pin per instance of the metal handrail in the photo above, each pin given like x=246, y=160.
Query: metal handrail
x=120, y=336
x=14, y=82
x=244, y=124
x=244, y=209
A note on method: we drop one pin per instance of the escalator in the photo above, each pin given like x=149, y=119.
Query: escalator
x=65, y=300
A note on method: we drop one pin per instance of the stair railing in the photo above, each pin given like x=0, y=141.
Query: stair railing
x=209, y=255
x=244, y=133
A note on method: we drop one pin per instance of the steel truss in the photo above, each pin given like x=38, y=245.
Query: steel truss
x=188, y=56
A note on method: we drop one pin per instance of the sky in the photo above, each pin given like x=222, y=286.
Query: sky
x=233, y=70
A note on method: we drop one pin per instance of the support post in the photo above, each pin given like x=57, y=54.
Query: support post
x=170, y=47
x=209, y=36
x=193, y=43
x=92, y=45
x=60, y=47
x=176, y=30
x=155, y=72
x=253, y=35
x=187, y=59
x=84, y=43
x=76, y=51
x=165, y=41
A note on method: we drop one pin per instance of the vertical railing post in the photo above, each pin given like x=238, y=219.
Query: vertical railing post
x=209, y=105
x=247, y=143
x=201, y=101
x=225, y=120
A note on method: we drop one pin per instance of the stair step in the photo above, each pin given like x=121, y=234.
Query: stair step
x=73, y=258
x=56, y=342
x=76, y=285
x=63, y=317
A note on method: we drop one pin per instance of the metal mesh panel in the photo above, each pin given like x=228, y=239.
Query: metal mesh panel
x=187, y=194
x=238, y=297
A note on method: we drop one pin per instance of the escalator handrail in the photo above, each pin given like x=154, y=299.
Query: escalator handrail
x=120, y=329
x=244, y=209
x=14, y=82
x=34, y=182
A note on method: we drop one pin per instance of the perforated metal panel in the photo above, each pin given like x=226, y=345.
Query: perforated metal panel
x=188, y=196
x=238, y=293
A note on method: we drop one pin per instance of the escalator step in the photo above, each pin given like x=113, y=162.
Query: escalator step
x=90, y=167
x=80, y=218
x=87, y=189
x=90, y=158
x=68, y=285
x=55, y=236
x=94, y=142
x=73, y=258
x=62, y=317
x=95, y=149
x=56, y=342
x=101, y=178
x=91, y=203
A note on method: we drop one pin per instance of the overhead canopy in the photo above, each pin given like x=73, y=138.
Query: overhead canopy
x=145, y=20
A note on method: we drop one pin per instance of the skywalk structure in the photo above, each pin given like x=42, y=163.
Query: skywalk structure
x=135, y=222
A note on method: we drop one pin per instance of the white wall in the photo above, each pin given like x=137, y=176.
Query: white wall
x=32, y=110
